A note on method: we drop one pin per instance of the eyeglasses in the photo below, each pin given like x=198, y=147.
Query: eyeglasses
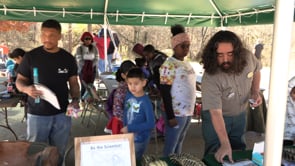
x=87, y=38
x=184, y=46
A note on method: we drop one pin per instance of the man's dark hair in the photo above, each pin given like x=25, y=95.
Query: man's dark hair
x=149, y=48
x=16, y=53
x=140, y=62
x=52, y=24
x=135, y=73
x=209, y=54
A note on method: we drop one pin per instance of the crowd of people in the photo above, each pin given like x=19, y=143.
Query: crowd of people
x=231, y=77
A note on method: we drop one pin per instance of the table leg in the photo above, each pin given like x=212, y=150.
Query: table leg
x=7, y=126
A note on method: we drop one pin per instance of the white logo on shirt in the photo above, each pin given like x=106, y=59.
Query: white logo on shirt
x=60, y=71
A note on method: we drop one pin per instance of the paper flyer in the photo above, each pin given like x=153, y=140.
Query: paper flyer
x=48, y=95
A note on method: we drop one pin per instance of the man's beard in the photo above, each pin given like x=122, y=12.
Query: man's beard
x=226, y=67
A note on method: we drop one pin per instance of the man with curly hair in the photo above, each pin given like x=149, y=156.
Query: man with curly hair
x=231, y=78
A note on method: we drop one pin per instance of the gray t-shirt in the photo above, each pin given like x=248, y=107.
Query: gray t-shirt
x=229, y=92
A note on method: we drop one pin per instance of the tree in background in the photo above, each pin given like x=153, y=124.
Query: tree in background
x=18, y=34
x=23, y=34
x=19, y=26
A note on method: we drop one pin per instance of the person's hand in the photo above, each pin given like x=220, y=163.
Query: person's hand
x=75, y=104
x=32, y=91
x=172, y=122
x=257, y=100
x=124, y=130
x=224, y=150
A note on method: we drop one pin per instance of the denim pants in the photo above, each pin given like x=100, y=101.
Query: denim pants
x=54, y=130
x=110, y=57
x=174, y=136
x=140, y=148
x=235, y=127
x=101, y=66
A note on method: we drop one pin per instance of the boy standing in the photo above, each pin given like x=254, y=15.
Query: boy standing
x=138, y=116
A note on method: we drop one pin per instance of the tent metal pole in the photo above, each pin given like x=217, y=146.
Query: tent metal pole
x=281, y=51
x=105, y=27
x=215, y=7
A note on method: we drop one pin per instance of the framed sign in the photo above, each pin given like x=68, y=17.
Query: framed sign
x=105, y=150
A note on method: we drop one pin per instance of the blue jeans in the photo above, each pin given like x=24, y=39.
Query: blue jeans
x=235, y=127
x=101, y=66
x=140, y=148
x=110, y=57
x=54, y=130
x=174, y=136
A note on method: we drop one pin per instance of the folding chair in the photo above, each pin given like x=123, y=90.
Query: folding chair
x=105, y=74
x=110, y=83
x=93, y=104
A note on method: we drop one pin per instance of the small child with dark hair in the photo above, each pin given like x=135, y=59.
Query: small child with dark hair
x=121, y=90
x=138, y=116
x=17, y=56
x=115, y=102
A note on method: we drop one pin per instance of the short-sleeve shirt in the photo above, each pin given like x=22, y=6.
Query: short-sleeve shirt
x=54, y=71
x=181, y=76
x=227, y=91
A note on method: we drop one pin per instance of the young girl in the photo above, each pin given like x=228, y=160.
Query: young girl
x=120, y=93
x=289, y=135
x=178, y=87
x=116, y=119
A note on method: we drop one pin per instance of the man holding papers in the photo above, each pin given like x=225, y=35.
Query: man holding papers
x=56, y=69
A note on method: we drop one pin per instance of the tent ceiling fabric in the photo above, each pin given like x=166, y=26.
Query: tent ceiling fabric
x=142, y=12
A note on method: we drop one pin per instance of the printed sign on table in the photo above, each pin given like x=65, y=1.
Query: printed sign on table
x=105, y=150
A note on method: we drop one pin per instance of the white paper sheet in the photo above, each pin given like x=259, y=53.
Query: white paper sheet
x=105, y=153
x=48, y=95
x=258, y=147
x=239, y=163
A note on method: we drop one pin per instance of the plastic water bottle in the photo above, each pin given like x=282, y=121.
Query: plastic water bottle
x=36, y=81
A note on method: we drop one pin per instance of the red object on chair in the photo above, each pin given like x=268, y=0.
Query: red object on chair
x=198, y=109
